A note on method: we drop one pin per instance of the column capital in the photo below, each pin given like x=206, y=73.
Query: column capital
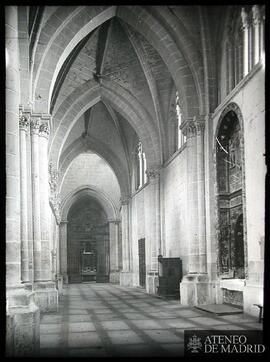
x=153, y=173
x=256, y=14
x=63, y=221
x=114, y=221
x=23, y=121
x=44, y=130
x=192, y=127
x=34, y=125
x=245, y=18
x=125, y=199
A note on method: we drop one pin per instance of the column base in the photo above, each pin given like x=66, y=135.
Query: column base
x=114, y=277
x=22, y=324
x=46, y=296
x=59, y=280
x=126, y=279
x=194, y=290
x=252, y=294
x=152, y=282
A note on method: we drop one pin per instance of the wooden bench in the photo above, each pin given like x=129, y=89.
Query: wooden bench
x=260, y=312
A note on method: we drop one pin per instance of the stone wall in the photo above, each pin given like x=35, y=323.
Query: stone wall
x=89, y=169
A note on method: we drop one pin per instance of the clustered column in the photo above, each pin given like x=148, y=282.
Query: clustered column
x=253, y=36
x=193, y=288
x=35, y=123
x=194, y=131
x=125, y=234
x=154, y=227
x=153, y=230
x=44, y=202
x=22, y=318
x=126, y=273
x=114, y=247
x=200, y=125
x=63, y=249
x=24, y=123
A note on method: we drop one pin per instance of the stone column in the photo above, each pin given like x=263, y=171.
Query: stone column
x=256, y=20
x=114, y=250
x=189, y=130
x=126, y=273
x=262, y=30
x=46, y=295
x=24, y=123
x=35, y=123
x=231, y=62
x=153, y=229
x=245, y=22
x=200, y=125
x=44, y=203
x=63, y=249
x=22, y=319
x=194, y=287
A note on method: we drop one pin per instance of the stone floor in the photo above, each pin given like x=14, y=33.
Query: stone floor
x=105, y=320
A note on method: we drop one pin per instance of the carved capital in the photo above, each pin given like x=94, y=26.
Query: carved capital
x=200, y=126
x=245, y=18
x=23, y=121
x=44, y=130
x=153, y=173
x=188, y=128
x=114, y=221
x=193, y=127
x=34, y=125
x=125, y=199
x=256, y=15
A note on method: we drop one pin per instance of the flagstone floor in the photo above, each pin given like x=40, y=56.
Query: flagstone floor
x=105, y=320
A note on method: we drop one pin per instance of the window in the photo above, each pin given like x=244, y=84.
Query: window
x=181, y=139
x=141, y=176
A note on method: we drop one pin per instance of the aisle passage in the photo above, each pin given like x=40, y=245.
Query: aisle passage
x=110, y=320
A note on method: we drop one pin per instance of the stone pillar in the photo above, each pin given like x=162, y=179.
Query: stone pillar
x=24, y=123
x=63, y=249
x=114, y=250
x=126, y=273
x=245, y=22
x=46, y=296
x=189, y=130
x=194, y=287
x=22, y=318
x=200, y=125
x=256, y=21
x=153, y=229
x=262, y=37
x=44, y=203
x=231, y=63
x=35, y=123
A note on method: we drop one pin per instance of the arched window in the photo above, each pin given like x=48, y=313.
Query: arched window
x=141, y=176
x=181, y=139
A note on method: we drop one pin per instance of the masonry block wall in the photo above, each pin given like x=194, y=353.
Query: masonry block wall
x=175, y=208
x=174, y=211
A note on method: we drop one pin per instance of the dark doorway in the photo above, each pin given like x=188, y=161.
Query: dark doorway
x=142, y=271
x=87, y=242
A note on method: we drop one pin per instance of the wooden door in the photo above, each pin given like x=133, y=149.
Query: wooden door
x=142, y=271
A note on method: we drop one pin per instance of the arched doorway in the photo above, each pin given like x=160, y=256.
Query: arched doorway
x=229, y=163
x=87, y=242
